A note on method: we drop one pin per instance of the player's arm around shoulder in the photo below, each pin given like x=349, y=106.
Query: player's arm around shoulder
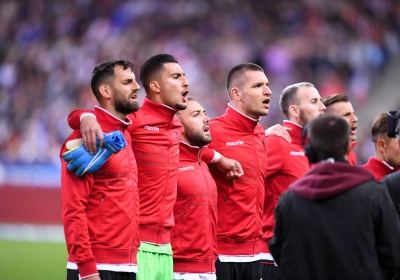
x=279, y=131
x=229, y=166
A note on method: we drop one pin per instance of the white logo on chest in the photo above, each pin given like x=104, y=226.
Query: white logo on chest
x=297, y=153
x=151, y=128
x=238, y=142
x=186, y=168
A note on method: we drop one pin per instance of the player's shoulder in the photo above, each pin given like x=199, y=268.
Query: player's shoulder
x=218, y=121
x=274, y=139
x=75, y=136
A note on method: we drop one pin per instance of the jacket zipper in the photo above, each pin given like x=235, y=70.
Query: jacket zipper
x=210, y=251
x=258, y=188
x=166, y=183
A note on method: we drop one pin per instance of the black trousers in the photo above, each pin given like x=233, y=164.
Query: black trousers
x=104, y=275
x=269, y=271
x=238, y=271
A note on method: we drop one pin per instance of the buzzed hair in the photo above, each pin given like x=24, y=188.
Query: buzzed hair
x=104, y=71
x=329, y=136
x=152, y=66
x=237, y=72
x=334, y=98
x=288, y=96
x=379, y=127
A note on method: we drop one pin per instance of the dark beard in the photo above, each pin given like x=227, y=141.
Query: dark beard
x=125, y=107
x=195, y=138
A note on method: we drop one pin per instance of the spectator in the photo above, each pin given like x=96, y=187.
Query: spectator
x=336, y=222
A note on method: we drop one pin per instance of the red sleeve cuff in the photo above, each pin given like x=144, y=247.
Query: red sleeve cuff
x=208, y=155
x=87, y=268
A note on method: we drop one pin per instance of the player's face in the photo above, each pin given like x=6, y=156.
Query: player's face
x=173, y=86
x=310, y=105
x=255, y=94
x=195, y=128
x=392, y=152
x=125, y=91
x=345, y=109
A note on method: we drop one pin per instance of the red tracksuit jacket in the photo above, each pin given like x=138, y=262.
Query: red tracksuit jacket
x=194, y=236
x=241, y=201
x=155, y=133
x=378, y=167
x=100, y=212
x=286, y=163
x=352, y=157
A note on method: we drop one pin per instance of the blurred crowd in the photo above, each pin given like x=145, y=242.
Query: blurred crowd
x=49, y=48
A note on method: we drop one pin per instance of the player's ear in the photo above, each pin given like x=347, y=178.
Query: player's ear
x=236, y=94
x=381, y=145
x=105, y=91
x=155, y=86
x=294, y=111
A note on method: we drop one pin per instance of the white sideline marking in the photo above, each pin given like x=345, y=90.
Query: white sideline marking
x=32, y=232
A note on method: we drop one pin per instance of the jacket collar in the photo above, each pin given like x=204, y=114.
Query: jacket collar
x=189, y=152
x=295, y=132
x=353, y=144
x=240, y=120
x=110, y=122
x=159, y=110
x=380, y=165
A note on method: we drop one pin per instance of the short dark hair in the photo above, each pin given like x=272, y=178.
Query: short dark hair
x=334, y=98
x=379, y=127
x=105, y=70
x=329, y=136
x=152, y=65
x=288, y=96
x=237, y=71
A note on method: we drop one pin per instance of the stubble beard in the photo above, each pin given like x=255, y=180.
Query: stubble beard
x=180, y=106
x=303, y=119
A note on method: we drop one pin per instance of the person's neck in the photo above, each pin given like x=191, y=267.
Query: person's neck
x=154, y=98
x=110, y=109
x=242, y=112
x=333, y=159
x=378, y=155
x=190, y=144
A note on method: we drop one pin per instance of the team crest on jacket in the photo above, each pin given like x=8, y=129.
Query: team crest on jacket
x=238, y=142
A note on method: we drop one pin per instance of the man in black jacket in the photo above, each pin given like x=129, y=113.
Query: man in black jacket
x=392, y=181
x=336, y=222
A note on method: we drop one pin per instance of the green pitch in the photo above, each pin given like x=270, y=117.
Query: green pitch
x=32, y=260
